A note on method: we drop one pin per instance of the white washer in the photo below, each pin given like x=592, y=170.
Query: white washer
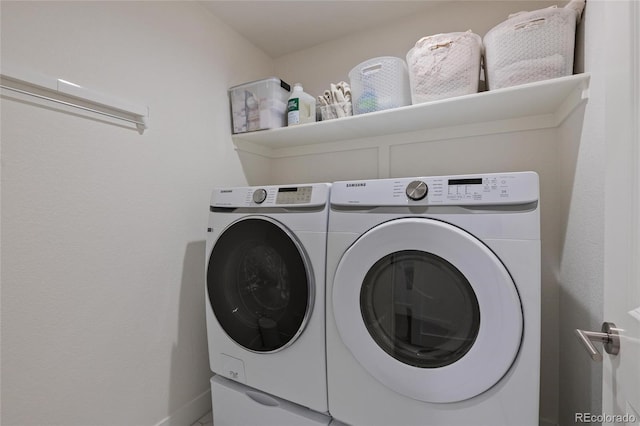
x=433, y=303
x=265, y=295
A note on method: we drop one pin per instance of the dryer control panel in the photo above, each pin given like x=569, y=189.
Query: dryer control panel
x=271, y=196
x=459, y=190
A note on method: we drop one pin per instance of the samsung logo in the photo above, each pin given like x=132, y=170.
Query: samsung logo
x=350, y=185
x=226, y=191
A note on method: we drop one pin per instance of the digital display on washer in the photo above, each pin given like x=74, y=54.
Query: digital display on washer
x=466, y=181
x=294, y=195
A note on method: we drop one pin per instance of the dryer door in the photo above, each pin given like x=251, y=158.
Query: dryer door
x=260, y=284
x=427, y=309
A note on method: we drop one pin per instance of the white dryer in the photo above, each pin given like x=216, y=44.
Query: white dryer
x=265, y=293
x=433, y=303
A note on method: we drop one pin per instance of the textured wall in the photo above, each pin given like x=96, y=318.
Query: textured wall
x=581, y=270
x=102, y=228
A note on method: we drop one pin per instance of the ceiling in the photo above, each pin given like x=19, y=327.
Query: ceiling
x=281, y=27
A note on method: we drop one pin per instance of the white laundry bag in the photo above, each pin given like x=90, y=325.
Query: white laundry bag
x=532, y=46
x=444, y=65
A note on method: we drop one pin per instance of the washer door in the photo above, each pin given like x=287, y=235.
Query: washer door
x=427, y=309
x=260, y=284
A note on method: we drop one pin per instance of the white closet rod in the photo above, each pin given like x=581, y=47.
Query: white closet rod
x=27, y=82
x=139, y=124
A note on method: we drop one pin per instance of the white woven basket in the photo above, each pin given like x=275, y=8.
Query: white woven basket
x=378, y=84
x=530, y=46
x=444, y=65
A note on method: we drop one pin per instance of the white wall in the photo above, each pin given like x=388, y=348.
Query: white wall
x=102, y=228
x=581, y=270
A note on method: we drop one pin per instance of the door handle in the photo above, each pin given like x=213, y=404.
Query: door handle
x=608, y=336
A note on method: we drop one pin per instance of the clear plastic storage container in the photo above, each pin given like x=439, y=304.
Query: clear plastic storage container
x=259, y=105
x=530, y=46
x=378, y=84
x=444, y=65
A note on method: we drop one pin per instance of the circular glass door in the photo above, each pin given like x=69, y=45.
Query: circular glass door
x=260, y=284
x=420, y=309
x=427, y=309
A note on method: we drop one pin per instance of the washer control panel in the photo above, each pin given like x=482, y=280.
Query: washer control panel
x=271, y=196
x=459, y=190
x=416, y=190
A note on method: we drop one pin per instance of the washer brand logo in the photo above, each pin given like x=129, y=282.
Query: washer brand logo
x=226, y=191
x=351, y=185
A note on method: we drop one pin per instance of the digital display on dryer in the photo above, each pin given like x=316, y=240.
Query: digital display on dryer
x=466, y=181
x=294, y=195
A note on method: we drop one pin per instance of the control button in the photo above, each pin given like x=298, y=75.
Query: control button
x=417, y=190
x=259, y=195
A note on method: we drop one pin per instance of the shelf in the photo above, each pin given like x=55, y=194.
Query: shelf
x=538, y=105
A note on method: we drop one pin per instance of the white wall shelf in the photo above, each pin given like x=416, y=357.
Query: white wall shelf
x=538, y=105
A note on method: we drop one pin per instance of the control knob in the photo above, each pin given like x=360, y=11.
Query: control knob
x=417, y=190
x=259, y=195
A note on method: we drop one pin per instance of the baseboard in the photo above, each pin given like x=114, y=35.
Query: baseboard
x=189, y=413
